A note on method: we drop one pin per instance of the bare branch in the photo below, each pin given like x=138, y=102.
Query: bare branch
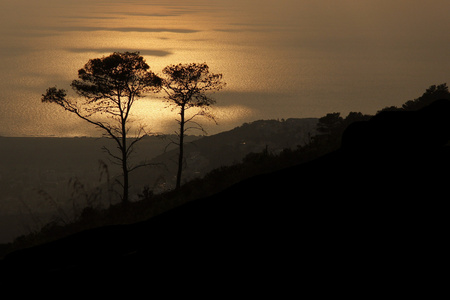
x=105, y=149
x=144, y=165
x=171, y=143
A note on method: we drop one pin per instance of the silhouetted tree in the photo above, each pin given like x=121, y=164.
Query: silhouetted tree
x=390, y=108
x=329, y=123
x=185, y=87
x=433, y=93
x=109, y=86
x=355, y=117
x=331, y=128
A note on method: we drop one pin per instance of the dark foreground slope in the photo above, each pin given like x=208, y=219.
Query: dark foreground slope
x=372, y=214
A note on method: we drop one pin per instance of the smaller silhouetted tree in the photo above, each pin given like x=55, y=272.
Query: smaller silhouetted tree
x=108, y=87
x=186, y=86
x=331, y=127
x=329, y=123
x=433, y=93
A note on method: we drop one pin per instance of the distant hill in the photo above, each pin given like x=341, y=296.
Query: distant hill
x=227, y=148
x=38, y=175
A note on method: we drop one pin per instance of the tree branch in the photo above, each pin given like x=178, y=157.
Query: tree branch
x=144, y=165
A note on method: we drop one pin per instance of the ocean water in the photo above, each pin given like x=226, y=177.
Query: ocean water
x=280, y=59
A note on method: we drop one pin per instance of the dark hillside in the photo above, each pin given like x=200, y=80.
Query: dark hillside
x=228, y=148
x=39, y=173
x=43, y=179
x=371, y=215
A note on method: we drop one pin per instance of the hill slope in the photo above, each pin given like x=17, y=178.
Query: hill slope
x=39, y=176
x=364, y=216
x=227, y=148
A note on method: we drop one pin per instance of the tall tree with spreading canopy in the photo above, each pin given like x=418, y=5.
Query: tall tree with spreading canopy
x=108, y=88
x=186, y=86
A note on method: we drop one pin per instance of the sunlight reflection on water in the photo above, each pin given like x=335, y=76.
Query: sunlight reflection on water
x=163, y=35
x=285, y=59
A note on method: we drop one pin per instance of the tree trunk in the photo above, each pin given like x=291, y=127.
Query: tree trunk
x=124, y=164
x=125, y=179
x=181, y=144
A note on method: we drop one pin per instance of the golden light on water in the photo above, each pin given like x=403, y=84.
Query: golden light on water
x=158, y=118
x=280, y=59
x=163, y=36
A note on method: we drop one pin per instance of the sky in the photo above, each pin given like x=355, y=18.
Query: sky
x=279, y=58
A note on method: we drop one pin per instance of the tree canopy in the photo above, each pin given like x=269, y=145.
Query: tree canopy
x=433, y=93
x=187, y=84
x=109, y=86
